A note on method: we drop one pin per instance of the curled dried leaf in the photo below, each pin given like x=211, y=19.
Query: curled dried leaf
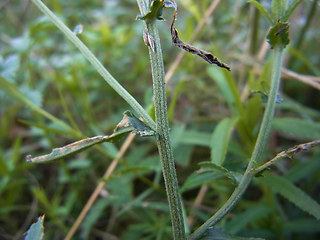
x=207, y=56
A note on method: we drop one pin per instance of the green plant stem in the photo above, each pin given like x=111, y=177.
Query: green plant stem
x=163, y=141
x=96, y=64
x=256, y=157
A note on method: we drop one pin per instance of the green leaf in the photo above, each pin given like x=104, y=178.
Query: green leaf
x=297, y=127
x=218, y=234
x=253, y=111
x=301, y=56
x=209, y=167
x=262, y=10
x=9, y=67
x=42, y=126
x=93, y=216
x=251, y=215
x=175, y=96
x=176, y=135
x=75, y=147
x=11, y=89
x=196, y=180
x=156, y=9
x=229, y=88
x=278, y=35
x=294, y=194
x=140, y=127
x=304, y=225
x=192, y=7
x=193, y=137
x=35, y=232
x=292, y=6
x=220, y=140
x=277, y=9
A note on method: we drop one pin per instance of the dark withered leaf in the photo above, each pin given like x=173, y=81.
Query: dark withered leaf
x=156, y=13
x=207, y=56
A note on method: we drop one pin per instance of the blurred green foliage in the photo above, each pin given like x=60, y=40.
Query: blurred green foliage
x=50, y=96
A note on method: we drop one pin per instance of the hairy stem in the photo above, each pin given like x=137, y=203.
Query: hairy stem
x=163, y=141
x=256, y=157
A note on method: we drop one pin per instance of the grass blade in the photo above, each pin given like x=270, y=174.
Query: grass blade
x=294, y=194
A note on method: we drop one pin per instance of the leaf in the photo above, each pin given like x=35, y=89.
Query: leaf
x=193, y=7
x=9, y=67
x=292, y=6
x=43, y=126
x=193, y=137
x=93, y=216
x=228, y=88
x=278, y=35
x=156, y=9
x=11, y=89
x=251, y=215
x=305, y=59
x=218, y=234
x=209, y=167
x=207, y=56
x=196, y=180
x=262, y=10
x=78, y=146
x=292, y=193
x=140, y=127
x=220, y=140
x=277, y=8
x=297, y=127
x=304, y=225
x=35, y=232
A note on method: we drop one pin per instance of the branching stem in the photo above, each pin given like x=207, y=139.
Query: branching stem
x=163, y=141
x=96, y=64
x=256, y=157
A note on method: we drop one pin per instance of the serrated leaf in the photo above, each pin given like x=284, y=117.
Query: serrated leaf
x=78, y=146
x=262, y=10
x=220, y=140
x=292, y=193
x=278, y=35
x=292, y=6
x=9, y=66
x=35, y=232
x=297, y=127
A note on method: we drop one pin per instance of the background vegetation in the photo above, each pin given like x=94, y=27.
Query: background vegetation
x=42, y=71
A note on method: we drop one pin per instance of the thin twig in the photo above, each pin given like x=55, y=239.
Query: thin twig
x=287, y=154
